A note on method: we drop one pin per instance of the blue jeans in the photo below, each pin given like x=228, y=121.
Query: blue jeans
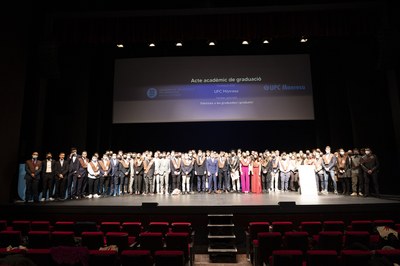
x=330, y=173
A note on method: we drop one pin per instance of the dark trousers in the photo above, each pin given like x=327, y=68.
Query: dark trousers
x=60, y=187
x=367, y=180
x=32, y=188
x=93, y=185
x=201, y=183
x=104, y=184
x=138, y=183
x=176, y=181
x=77, y=186
x=47, y=184
x=265, y=181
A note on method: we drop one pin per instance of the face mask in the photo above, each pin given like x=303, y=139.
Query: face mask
x=341, y=153
x=327, y=151
x=94, y=160
x=48, y=157
x=34, y=156
x=367, y=152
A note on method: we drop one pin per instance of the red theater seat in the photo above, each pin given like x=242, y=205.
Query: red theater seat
x=329, y=240
x=106, y=227
x=287, y=257
x=296, y=240
x=322, y=258
x=151, y=241
x=120, y=239
x=136, y=257
x=39, y=239
x=62, y=238
x=132, y=228
x=64, y=226
x=311, y=227
x=10, y=238
x=356, y=240
x=361, y=225
x=161, y=227
x=282, y=227
x=264, y=245
x=180, y=241
x=23, y=226
x=251, y=233
x=169, y=257
x=3, y=225
x=40, y=226
x=181, y=227
x=103, y=257
x=92, y=240
x=40, y=256
x=333, y=226
x=393, y=255
x=355, y=257
x=387, y=222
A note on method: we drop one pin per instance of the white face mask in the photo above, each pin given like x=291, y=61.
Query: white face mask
x=367, y=152
x=34, y=156
x=341, y=153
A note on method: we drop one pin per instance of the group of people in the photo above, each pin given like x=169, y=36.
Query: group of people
x=115, y=174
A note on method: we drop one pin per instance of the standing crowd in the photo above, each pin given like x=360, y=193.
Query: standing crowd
x=172, y=173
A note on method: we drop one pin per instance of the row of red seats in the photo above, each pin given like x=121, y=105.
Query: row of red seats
x=82, y=256
x=362, y=231
x=133, y=228
x=332, y=257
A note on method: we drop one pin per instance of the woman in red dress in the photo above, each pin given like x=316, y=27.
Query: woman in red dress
x=256, y=177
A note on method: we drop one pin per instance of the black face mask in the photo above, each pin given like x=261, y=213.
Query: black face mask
x=48, y=157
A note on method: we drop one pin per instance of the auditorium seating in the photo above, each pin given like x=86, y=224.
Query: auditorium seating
x=329, y=240
x=282, y=226
x=40, y=226
x=151, y=241
x=62, y=238
x=39, y=239
x=264, y=245
x=92, y=240
x=10, y=238
x=106, y=227
x=23, y=226
x=64, y=226
x=296, y=240
x=161, y=227
x=103, y=257
x=180, y=241
x=322, y=258
x=40, y=256
x=361, y=225
x=286, y=257
x=169, y=257
x=333, y=226
x=356, y=240
x=3, y=225
x=350, y=257
x=251, y=233
x=384, y=222
x=132, y=228
x=120, y=239
x=136, y=257
x=393, y=255
x=311, y=227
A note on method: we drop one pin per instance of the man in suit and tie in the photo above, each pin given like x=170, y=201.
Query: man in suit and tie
x=73, y=161
x=114, y=174
x=163, y=171
x=212, y=172
x=61, y=174
x=33, y=168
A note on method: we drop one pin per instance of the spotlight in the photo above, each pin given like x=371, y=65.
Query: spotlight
x=303, y=39
x=120, y=45
x=152, y=45
x=245, y=42
x=211, y=43
x=179, y=44
x=265, y=41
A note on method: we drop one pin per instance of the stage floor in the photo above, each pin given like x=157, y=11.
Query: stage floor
x=225, y=199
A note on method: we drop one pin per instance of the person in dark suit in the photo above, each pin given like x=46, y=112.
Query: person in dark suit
x=73, y=161
x=370, y=166
x=212, y=172
x=114, y=174
x=81, y=178
x=33, y=168
x=61, y=174
x=48, y=175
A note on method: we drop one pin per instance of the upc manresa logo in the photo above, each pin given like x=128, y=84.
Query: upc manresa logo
x=152, y=93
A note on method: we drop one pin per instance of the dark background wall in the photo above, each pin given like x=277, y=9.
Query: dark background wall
x=58, y=84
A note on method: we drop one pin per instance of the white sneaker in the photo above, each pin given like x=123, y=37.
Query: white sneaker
x=51, y=199
x=42, y=199
x=90, y=196
x=353, y=194
x=96, y=196
x=360, y=194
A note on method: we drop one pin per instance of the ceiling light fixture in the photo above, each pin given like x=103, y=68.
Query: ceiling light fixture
x=245, y=42
x=152, y=45
x=120, y=45
x=211, y=43
x=179, y=44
